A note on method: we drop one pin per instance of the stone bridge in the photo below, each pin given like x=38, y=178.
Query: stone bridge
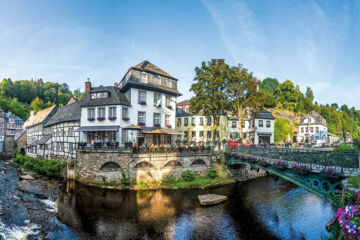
x=96, y=167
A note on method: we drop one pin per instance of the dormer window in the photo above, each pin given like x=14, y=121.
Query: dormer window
x=158, y=80
x=99, y=95
x=144, y=78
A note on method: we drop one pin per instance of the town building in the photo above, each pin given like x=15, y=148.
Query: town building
x=257, y=129
x=152, y=94
x=313, y=127
x=63, y=140
x=333, y=137
x=199, y=128
x=184, y=105
x=38, y=137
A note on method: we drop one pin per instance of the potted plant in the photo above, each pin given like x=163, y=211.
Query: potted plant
x=112, y=118
x=329, y=173
x=126, y=119
x=157, y=125
x=142, y=102
x=169, y=107
x=141, y=124
x=280, y=164
x=262, y=162
x=91, y=119
x=168, y=125
x=101, y=118
x=303, y=170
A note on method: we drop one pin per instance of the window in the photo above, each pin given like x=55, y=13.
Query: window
x=186, y=121
x=156, y=119
x=209, y=121
x=233, y=124
x=317, y=129
x=141, y=118
x=91, y=112
x=112, y=136
x=201, y=121
x=168, y=101
x=302, y=130
x=61, y=147
x=185, y=134
x=144, y=78
x=101, y=112
x=112, y=111
x=307, y=129
x=217, y=135
x=178, y=122
x=201, y=134
x=268, y=124
x=193, y=121
x=71, y=147
x=157, y=99
x=167, y=120
x=99, y=95
x=193, y=135
x=169, y=83
x=244, y=135
x=125, y=112
x=93, y=96
x=158, y=80
x=312, y=129
x=243, y=124
x=142, y=96
x=71, y=132
x=218, y=121
x=208, y=134
x=261, y=123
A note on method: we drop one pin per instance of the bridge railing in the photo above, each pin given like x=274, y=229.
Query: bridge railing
x=339, y=160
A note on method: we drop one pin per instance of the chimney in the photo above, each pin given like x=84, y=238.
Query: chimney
x=87, y=85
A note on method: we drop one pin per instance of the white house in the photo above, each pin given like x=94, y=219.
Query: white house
x=152, y=94
x=37, y=135
x=102, y=111
x=255, y=130
x=64, y=139
x=313, y=127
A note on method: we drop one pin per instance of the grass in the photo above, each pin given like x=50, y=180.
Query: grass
x=354, y=181
x=198, y=181
x=47, y=167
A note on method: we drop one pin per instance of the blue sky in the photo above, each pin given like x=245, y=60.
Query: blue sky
x=312, y=43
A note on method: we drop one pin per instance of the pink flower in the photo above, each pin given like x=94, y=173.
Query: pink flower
x=358, y=194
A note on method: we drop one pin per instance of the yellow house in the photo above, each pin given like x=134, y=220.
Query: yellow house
x=199, y=128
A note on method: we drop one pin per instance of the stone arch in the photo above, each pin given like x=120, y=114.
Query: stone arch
x=110, y=166
x=173, y=163
x=198, y=162
x=143, y=164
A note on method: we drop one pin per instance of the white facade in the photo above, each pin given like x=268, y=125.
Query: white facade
x=312, y=132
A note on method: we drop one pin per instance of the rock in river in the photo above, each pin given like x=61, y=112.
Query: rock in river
x=26, y=177
x=211, y=199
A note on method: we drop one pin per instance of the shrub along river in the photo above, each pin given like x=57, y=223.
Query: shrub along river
x=264, y=208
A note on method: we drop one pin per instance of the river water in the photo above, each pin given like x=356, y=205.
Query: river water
x=264, y=208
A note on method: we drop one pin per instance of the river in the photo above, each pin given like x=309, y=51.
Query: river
x=263, y=208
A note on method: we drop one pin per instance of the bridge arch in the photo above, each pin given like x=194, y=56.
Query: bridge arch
x=110, y=166
x=143, y=165
x=198, y=162
x=172, y=163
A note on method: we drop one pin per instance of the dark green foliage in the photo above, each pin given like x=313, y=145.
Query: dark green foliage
x=212, y=174
x=124, y=180
x=282, y=129
x=269, y=85
x=269, y=100
x=345, y=147
x=17, y=96
x=47, y=167
x=188, y=175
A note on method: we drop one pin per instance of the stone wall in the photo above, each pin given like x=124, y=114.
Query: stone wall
x=95, y=167
x=246, y=172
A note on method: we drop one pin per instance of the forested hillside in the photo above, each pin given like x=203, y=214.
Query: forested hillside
x=340, y=119
x=22, y=96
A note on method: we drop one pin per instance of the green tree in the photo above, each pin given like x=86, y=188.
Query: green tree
x=282, y=130
x=209, y=87
x=287, y=92
x=244, y=94
x=269, y=100
x=37, y=104
x=309, y=94
x=269, y=85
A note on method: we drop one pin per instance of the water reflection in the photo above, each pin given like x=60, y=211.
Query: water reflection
x=259, y=209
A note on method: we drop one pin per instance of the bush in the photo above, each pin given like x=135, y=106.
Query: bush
x=188, y=175
x=345, y=147
x=124, y=180
x=212, y=174
x=47, y=167
x=142, y=184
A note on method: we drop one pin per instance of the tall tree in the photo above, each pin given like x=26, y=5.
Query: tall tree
x=269, y=85
x=309, y=94
x=37, y=104
x=287, y=92
x=209, y=87
x=244, y=94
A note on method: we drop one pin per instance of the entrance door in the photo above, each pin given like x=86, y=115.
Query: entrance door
x=156, y=139
x=264, y=139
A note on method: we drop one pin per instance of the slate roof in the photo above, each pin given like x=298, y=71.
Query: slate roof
x=68, y=113
x=42, y=116
x=264, y=114
x=115, y=97
x=185, y=102
x=318, y=118
x=149, y=67
x=181, y=113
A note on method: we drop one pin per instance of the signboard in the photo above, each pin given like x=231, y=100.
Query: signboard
x=232, y=144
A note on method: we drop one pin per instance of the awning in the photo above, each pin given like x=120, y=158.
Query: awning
x=165, y=131
x=97, y=128
x=133, y=127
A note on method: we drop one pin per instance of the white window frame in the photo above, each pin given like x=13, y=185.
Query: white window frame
x=144, y=117
x=141, y=96
x=157, y=118
x=125, y=112
x=91, y=112
x=101, y=111
x=112, y=111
